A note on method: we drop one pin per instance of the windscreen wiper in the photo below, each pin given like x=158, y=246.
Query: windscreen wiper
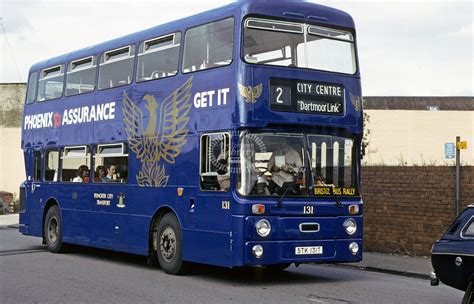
x=336, y=200
x=338, y=203
x=292, y=185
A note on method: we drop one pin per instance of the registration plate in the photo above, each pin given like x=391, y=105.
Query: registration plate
x=309, y=250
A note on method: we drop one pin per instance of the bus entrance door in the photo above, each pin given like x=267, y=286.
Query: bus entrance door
x=213, y=234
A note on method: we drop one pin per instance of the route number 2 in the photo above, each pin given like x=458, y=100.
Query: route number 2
x=279, y=92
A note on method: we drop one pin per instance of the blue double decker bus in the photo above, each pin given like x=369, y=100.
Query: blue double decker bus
x=230, y=138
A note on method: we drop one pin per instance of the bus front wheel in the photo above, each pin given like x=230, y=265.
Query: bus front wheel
x=169, y=245
x=53, y=230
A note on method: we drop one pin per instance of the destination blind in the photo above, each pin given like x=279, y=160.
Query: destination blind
x=309, y=97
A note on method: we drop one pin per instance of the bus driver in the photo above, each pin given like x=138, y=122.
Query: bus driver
x=283, y=163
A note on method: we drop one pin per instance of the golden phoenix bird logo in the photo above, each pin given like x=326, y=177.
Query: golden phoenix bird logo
x=249, y=93
x=164, y=136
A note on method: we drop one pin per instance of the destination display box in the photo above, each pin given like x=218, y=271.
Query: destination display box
x=309, y=97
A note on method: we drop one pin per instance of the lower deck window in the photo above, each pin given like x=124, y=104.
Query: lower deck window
x=75, y=164
x=215, y=165
x=51, y=166
x=111, y=163
x=37, y=166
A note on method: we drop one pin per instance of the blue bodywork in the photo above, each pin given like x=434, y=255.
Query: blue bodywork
x=211, y=234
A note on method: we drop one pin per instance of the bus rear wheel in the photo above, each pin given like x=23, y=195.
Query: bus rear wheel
x=53, y=230
x=169, y=245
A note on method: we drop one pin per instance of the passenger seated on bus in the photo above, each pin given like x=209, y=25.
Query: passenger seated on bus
x=283, y=164
x=111, y=174
x=99, y=174
x=223, y=178
x=82, y=175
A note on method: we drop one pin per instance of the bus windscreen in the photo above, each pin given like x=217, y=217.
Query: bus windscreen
x=269, y=163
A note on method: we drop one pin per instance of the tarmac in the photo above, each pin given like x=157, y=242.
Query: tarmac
x=417, y=267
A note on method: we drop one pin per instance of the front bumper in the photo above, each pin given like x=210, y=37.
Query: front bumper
x=275, y=252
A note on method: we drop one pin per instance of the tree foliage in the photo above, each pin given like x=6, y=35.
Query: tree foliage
x=365, y=137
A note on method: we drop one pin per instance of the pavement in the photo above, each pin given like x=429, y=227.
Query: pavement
x=9, y=220
x=418, y=267
x=411, y=266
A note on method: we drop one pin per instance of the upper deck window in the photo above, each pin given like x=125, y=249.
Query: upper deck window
x=32, y=83
x=208, y=46
x=116, y=67
x=275, y=25
x=329, y=50
x=81, y=76
x=158, y=57
x=51, y=83
x=119, y=54
x=330, y=33
x=288, y=44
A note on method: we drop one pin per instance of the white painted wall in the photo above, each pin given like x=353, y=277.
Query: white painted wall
x=12, y=168
x=400, y=137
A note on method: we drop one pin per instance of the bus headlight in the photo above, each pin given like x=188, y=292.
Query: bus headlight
x=263, y=228
x=354, y=248
x=257, y=251
x=350, y=226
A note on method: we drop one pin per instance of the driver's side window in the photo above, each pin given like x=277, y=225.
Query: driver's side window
x=215, y=162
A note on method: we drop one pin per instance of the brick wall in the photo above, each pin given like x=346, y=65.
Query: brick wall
x=407, y=208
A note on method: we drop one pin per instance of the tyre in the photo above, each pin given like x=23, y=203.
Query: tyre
x=169, y=245
x=276, y=267
x=53, y=230
x=469, y=295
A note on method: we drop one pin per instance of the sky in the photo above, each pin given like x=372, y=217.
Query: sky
x=406, y=48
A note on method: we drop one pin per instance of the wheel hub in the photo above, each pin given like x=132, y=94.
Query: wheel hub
x=168, y=244
x=53, y=232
